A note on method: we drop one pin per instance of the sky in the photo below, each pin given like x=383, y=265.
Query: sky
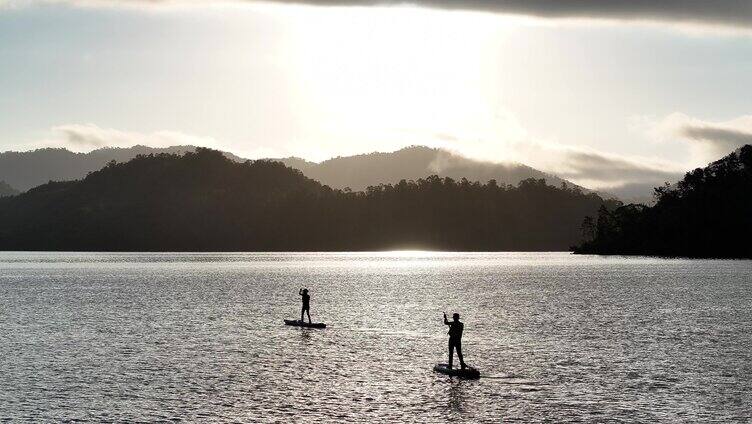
x=622, y=94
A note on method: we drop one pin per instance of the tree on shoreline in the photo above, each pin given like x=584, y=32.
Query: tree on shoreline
x=706, y=214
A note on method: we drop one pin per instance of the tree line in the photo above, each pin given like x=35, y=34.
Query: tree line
x=707, y=214
x=202, y=201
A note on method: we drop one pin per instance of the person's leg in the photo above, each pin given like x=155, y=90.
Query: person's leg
x=458, y=345
x=302, y=309
x=451, y=354
x=308, y=311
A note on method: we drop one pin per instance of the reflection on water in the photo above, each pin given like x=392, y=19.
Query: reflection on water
x=305, y=336
x=200, y=337
x=457, y=396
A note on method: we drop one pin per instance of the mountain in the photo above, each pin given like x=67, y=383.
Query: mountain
x=7, y=190
x=707, y=214
x=411, y=163
x=641, y=193
x=24, y=170
x=203, y=201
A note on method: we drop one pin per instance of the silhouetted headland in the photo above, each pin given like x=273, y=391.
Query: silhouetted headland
x=203, y=201
x=708, y=214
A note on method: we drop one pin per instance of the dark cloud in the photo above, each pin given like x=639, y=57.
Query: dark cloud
x=729, y=13
x=610, y=170
x=719, y=12
x=725, y=139
x=626, y=179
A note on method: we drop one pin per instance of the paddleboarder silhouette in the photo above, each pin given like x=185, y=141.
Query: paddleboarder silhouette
x=306, y=304
x=455, y=338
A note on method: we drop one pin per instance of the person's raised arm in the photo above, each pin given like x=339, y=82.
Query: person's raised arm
x=300, y=292
x=445, y=320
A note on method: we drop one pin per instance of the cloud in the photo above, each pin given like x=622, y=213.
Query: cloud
x=721, y=137
x=598, y=170
x=717, y=12
x=83, y=137
x=611, y=170
x=503, y=139
x=708, y=140
x=88, y=137
x=727, y=13
x=627, y=177
x=582, y=165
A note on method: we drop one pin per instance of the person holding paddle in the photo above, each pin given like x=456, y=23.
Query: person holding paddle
x=455, y=338
x=306, y=304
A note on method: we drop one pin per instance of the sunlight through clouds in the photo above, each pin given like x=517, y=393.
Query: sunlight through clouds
x=386, y=72
x=555, y=92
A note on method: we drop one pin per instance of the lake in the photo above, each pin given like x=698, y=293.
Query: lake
x=200, y=337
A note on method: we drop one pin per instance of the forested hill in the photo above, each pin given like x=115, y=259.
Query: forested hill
x=411, y=163
x=707, y=214
x=24, y=170
x=205, y=202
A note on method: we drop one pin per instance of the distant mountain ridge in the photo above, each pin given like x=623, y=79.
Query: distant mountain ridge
x=411, y=163
x=204, y=201
x=25, y=170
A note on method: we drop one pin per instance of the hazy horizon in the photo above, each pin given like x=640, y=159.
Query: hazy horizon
x=604, y=95
x=567, y=240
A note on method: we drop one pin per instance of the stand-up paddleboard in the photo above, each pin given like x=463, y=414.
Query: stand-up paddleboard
x=468, y=372
x=298, y=323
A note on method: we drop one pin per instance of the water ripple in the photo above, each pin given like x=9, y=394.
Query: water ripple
x=198, y=337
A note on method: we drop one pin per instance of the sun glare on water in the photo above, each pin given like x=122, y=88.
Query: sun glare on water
x=409, y=254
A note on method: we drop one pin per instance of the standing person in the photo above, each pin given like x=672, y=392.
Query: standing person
x=455, y=338
x=306, y=304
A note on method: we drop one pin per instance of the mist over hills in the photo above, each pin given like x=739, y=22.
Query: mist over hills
x=708, y=214
x=411, y=163
x=204, y=201
x=24, y=170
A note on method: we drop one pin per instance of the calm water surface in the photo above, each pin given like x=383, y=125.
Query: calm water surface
x=199, y=337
